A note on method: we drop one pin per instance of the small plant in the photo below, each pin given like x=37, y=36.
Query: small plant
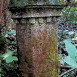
x=8, y=60
x=71, y=59
x=67, y=47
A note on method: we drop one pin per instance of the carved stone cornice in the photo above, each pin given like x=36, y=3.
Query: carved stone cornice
x=28, y=14
x=36, y=11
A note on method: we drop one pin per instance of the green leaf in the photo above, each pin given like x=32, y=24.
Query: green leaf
x=62, y=62
x=71, y=49
x=64, y=76
x=0, y=75
x=72, y=52
x=11, y=32
x=11, y=59
x=7, y=54
x=75, y=33
x=70, y=61
x=8, y=57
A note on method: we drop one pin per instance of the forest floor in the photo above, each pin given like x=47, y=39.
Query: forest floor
x=67, y=48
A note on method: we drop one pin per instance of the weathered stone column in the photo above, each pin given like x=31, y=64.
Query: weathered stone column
x=37, y=39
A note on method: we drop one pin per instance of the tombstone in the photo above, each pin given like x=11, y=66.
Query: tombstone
x=37, y=38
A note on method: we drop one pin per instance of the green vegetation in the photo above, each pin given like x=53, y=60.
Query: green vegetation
x=8, y=54
x=67, y=40
x=7, y=61
x=70, y=15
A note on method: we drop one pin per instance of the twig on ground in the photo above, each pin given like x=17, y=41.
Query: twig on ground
x=67, y=72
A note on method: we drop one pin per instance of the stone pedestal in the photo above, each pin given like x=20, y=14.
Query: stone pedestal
x=37, y=39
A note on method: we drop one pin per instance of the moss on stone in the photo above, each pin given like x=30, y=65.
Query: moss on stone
x=31, y=2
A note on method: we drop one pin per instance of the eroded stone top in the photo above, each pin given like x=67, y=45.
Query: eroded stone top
x=35, y=11
x=32, y=2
